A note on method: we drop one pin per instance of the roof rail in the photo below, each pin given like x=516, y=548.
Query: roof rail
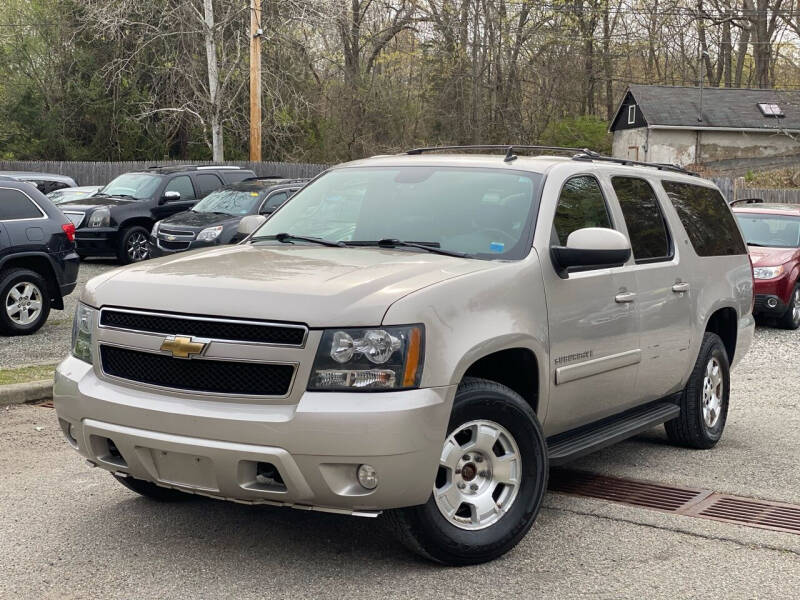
x=507, y=148
x=634, y=163
x=577, y=154
x=747, y=201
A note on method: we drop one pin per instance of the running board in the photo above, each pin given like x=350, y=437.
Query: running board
x=573, y=444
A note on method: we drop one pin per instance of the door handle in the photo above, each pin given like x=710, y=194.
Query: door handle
x=625, y=297
x=680, y=287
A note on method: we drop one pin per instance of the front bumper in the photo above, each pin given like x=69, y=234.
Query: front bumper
x=769, y=305
x=158, y=250
x=213, y=447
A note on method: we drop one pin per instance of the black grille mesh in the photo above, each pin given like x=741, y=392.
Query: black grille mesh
x=218, y=330
x=173, y=245
x=216, y=376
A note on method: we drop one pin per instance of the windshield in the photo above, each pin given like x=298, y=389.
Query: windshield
x=486, y=213
x=776, y=231
x=137, y=186
x=230, y=202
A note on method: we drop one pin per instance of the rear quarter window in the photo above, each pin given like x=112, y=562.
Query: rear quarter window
x=16, y=205
x=706, y=218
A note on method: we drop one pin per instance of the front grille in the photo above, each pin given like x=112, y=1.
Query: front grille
x=176, y=232
x=76, y=218
x=173, y=245
x=244, y=331
x=215, y=376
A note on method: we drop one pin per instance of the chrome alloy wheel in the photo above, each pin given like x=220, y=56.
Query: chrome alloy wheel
x=24, y=303
x=480, y=472
x=712, y=393
x=137, y=247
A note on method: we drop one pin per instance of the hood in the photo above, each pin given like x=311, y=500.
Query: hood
x=770, y=257
x=191, y=218
x=319, y=286
x=93, y=202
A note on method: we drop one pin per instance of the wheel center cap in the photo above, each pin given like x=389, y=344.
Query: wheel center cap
x=468, y=472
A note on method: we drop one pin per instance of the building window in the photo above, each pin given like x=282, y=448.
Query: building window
x=771, y=110
x=631, y=114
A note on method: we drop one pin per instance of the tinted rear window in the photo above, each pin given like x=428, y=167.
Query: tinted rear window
x=16, y=205
x=646, y=226
x=706, y=218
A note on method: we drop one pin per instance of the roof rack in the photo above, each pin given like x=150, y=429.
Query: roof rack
x=577, y=154
x=634, y=163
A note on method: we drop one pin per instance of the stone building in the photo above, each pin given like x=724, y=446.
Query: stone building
x=719, y=129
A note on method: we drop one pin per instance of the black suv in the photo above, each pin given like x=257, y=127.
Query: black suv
x=118, y=219
x=38, y=262
x=215, y=219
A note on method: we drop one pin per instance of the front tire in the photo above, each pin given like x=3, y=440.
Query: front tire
x=704, y=401
x=791, y=319
x=490, y=483
x=24, y=302
x=133, y=245
x=152, y=491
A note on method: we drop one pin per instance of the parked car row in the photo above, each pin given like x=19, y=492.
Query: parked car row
x=43, y=237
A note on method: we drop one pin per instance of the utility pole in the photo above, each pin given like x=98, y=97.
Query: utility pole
x=255, y=80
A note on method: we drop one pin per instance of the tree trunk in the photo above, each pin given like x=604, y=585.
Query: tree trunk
x=217, y=148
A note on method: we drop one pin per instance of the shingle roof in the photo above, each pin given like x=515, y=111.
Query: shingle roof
x=722, y=107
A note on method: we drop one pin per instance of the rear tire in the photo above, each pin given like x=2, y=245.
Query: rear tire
x=152, y=491
x=704, y=401
x=133, y=245
x=464, y=526
x=791, y=318
x=24, y=301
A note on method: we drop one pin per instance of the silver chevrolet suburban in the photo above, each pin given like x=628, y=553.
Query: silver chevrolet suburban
x=422, y=335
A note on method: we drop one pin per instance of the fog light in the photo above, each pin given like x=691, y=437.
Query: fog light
x=367, y=477
x=772, y=302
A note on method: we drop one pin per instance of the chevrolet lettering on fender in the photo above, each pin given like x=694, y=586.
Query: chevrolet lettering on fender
x=421, y=337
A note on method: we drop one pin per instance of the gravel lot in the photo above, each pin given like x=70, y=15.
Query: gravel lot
x=68, y=531
x=51, y=343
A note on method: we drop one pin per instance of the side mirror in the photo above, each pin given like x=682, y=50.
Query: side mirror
x=170, y=197
x=591, y=247
x=249, y=224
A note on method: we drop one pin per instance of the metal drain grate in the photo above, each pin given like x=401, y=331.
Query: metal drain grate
x=746, y=511
x=626, y=491
x=705, y=504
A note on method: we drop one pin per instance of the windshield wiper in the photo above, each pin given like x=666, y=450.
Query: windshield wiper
x=756, y=244
x=122, y=196
x=287, y=238
x=432, y=247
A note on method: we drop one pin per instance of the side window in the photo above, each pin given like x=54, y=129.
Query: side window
x=581, y=204
x=207, y=183
x=706, y=218
x=182, y=184
x=273, y=202
x=16, y=205
x=646, y=225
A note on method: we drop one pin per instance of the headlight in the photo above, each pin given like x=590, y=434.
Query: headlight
x=82, y=329
x=767, y=272
x=100, y=218
x=209, y=234
x=154, y=231
x=374, y=358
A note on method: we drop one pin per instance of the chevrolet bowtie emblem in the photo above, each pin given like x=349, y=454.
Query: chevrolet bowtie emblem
x=170, y=238
x=182, y=347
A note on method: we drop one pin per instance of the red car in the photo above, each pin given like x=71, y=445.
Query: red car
x=772, y=232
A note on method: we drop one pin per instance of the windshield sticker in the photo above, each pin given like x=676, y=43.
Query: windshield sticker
x=496, y=246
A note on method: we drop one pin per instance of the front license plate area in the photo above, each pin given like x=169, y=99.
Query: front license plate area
x=186, y=470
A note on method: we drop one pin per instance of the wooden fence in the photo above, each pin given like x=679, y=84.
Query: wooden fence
x=100, y=173
x=733, y=190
